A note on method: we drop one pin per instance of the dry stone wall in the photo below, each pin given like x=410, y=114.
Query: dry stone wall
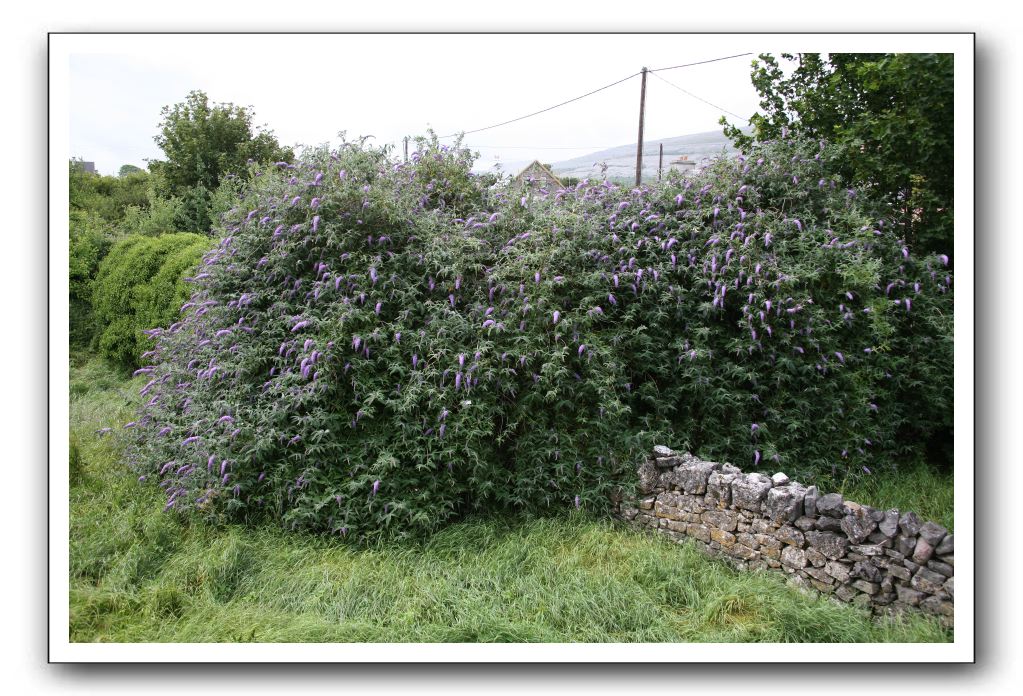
x=885, y=560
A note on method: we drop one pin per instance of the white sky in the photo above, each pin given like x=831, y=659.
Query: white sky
x=307, y=88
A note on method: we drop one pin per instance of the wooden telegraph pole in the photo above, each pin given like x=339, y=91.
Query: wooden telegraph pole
x=660, y=161
x=406, y=148
x=639, y=145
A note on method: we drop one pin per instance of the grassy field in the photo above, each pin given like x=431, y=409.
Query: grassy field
x=138, y=574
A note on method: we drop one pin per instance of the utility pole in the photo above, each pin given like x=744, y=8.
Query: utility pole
x=639, y=145
x=406, y=149
x=660, y=161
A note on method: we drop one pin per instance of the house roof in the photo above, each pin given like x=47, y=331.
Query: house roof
x=544, y=169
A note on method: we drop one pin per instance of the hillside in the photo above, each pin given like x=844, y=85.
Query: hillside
x=621, y=160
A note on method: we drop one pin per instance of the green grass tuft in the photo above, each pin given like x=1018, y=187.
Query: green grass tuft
x=138, y=574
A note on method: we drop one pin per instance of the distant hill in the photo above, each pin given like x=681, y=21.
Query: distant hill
x=621, y=160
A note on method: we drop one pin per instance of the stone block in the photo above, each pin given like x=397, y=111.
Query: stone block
x=837, y=570
x=934, y=533
x=790, y=536
x=946, y=547
x=910, y=524
x=726, y=520
x=725, y=539
x=927, y=581
x=828, y=524
x=939, y=567
x=785, y=502
x=749, y=491
x=831, y=505
x=693, y=476
x=858, y=524
x=830, y=545
x=923, y=551
x=793, y=557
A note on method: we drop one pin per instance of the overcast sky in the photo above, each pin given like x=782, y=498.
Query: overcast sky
x=308, y=88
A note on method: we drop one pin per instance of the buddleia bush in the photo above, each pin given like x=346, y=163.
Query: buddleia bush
x=139, y=285
x=374, y=348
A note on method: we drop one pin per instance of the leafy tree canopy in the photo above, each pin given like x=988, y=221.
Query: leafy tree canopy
x=890, y=115
x=127, y=169
x=203, y=141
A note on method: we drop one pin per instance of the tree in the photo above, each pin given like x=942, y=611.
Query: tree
x=127, y=169
x=890, y=115
x=203, y=142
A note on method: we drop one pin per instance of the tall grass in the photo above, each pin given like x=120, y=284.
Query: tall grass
x=140, y=575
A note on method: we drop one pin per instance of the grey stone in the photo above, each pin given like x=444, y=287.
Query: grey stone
x=762, y=526
x=810, y=501
x=790, y=536
x=866, y=571
x=744, y=552
x=746, y=539
x=950, y=586
x=868, y=550
x=649, y=477
x=936, y=605
x=909, y=596
x=839, y=571
x=909, y=523
x=767, y=541
x=900, y=572
x=845, y=593
x=946, y=547
x=647, y=503
x=889, y=526
x=858, y=525
x=693, y=476
x=871, y=588
x=880, y=539
x=923, y=551
x=727, y=468
x=662, y=451
x=805, y=523
x=749, y=491
x=820, y=586
x=905, y=544
x=793, y=557
x=785, y=503
x=816, y=558
x=828, y=524
x=873, y=513
x=780, y=479
x=831, y=545
x=818, y=574
x=831, y=505
x=913, y=567
x=893, y=554
x=722, y=519
x=927, y=581
x=933, y=533
x=719, y=487
x=674, y=525
x=668, y=462
x=939, y=567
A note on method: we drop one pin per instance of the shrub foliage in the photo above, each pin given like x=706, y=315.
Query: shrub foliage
x=139, y=285
x=374, y=348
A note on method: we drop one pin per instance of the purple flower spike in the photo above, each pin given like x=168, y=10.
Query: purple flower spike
x=582, y=349
x=754, y=427
x=557, y=316
x=376, y=486
x=577, y=503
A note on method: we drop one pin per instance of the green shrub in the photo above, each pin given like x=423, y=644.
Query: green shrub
x=139, y=286
x=375, y=348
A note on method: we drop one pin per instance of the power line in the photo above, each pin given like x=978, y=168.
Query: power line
x=600, y=89
x=535, y=113
x=702, y=62
x=685, y=91
x=538, y=147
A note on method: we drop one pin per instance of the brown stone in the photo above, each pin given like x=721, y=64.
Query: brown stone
x=790, y=536
x=870, y=588
x=726, y=539
x=831, y=545
x=837, y=570
x=935, y=605
x=923, y=551
x=698, y=531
